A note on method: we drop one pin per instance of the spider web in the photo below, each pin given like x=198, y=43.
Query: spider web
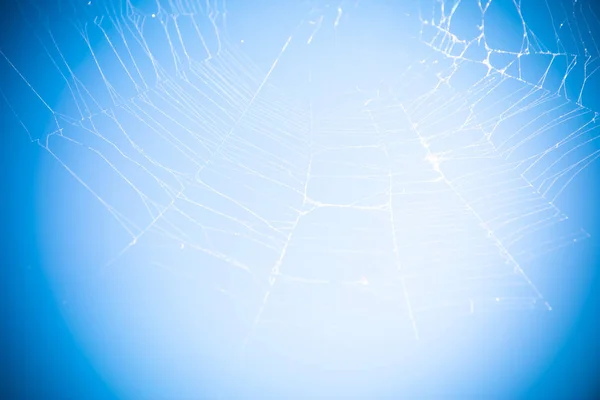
x=366, y=210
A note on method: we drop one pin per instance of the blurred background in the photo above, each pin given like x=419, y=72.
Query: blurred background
x=113, y=293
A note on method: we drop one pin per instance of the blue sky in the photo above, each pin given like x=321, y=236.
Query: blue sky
x=282, y=198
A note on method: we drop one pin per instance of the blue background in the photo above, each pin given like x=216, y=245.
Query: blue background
x=43, y=358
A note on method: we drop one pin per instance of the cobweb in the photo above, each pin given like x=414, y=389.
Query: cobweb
x=389, y=203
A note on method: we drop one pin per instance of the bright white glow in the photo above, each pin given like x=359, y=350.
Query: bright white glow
x=306, y=190
x=434, y=160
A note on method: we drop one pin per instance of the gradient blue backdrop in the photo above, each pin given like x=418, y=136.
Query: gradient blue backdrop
x=42, y=208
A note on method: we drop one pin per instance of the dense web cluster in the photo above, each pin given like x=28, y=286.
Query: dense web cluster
x=421, y=196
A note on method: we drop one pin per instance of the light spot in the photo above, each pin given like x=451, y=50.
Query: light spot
x=434, y=160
